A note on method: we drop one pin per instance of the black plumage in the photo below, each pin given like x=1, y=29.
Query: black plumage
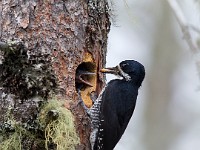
x=116, y=110
x=114, y=107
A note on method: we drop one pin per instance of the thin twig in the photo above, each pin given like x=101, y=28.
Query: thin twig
x=197, y=30
x=183, y=24
x=185, y=27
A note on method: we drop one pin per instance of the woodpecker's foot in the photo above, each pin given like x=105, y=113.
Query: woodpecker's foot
x=93, y=96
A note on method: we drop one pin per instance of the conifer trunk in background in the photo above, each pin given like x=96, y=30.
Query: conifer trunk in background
x=42, y=43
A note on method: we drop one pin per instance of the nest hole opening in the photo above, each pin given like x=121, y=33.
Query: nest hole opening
x=85, y=76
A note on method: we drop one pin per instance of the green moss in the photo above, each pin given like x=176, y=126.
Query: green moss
x=13, y=140
x=59, y=131
x=12, y=143
x=54, y=120
x=26, y=75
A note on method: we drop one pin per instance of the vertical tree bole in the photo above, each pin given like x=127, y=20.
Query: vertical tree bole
x=57, y=37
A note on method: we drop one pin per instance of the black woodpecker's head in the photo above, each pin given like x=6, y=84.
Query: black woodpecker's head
x=130, y=70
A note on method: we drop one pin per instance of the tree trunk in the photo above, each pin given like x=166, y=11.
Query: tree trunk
x=44, y=48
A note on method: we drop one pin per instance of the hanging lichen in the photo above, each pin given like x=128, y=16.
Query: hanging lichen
x=13, y=135
x=59, y=128
x=13, y=142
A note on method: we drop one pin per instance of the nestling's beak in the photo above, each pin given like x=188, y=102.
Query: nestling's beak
x=82, y=77
x=113, y=70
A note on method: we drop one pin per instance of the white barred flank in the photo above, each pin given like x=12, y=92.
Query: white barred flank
x=94, y=113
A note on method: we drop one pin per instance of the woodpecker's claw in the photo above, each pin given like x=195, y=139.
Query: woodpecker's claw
x=82, y=76
x=93, y=96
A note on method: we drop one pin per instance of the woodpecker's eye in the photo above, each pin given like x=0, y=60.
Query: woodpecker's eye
x=133, y=71
x=123, y=65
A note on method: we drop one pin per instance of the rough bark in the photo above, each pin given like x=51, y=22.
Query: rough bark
x=47, y=41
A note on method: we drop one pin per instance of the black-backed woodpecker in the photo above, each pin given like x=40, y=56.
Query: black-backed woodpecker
x=112, y=110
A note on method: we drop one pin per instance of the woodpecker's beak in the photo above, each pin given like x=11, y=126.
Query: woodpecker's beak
x=113, y=70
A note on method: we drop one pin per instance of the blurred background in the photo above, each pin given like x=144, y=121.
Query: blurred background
x=167, y=115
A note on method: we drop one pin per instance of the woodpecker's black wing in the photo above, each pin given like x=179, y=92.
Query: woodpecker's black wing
x=118, y=104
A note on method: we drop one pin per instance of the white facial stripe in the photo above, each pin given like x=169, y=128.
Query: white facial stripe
x=125, y=75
